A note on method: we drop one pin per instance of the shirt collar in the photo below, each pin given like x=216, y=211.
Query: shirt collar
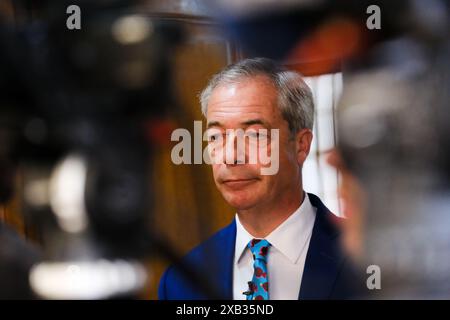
x=290, y=237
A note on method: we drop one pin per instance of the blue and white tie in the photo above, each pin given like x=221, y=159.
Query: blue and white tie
x=259, y=286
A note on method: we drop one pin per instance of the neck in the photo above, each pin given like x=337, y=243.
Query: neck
x=261, y=220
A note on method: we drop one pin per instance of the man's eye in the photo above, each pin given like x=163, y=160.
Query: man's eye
x=263, y=135
x=256, y=134
x=252, y=134
x=213, y=137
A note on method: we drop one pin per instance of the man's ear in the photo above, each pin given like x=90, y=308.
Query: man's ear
x=303, y=140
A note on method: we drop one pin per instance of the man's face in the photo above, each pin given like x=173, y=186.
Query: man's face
x=250, y=105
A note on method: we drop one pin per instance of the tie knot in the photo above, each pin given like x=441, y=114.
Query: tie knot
x=259, y=248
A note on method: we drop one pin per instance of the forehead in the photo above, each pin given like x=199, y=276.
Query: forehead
x=249, y=97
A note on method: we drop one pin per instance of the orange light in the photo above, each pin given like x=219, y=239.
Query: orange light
x=324, y=50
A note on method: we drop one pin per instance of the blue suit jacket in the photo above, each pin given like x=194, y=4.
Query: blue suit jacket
x=327, y=273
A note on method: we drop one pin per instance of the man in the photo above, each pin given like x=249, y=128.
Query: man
x=281, y=244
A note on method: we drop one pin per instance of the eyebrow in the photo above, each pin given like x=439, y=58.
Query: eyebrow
x=255, y=121
x=214, y=124
x=245, y=123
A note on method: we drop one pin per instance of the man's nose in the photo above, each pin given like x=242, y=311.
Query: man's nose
x=235, y=148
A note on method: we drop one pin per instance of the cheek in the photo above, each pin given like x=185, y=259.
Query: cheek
x=267, y=184
x=289, y=154
x=215, y=170
x=289, y=165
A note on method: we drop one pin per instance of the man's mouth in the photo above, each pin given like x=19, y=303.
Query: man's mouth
x=239, y=183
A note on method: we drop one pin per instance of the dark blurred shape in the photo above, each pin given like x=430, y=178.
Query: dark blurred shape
x=75, y=108
x=16, y=260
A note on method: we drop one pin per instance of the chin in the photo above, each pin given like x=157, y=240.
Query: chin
x=240, y=201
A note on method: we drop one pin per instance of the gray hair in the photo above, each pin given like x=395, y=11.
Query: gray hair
x=294, y=96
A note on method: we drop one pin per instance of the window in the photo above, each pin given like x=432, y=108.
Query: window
x=318, y=176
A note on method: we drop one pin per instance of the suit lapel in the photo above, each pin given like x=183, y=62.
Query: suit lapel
x=323, y=259
x=221, y=255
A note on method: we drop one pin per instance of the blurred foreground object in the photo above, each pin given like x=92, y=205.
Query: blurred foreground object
x=393, y=136
x=76, y=113
x=16, y=260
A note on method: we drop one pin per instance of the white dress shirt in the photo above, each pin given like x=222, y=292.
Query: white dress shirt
x=286, y=256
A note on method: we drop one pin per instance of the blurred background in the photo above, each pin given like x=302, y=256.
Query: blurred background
x=77, y=103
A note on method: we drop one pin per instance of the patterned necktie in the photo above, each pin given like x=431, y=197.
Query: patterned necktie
x=259, y=286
